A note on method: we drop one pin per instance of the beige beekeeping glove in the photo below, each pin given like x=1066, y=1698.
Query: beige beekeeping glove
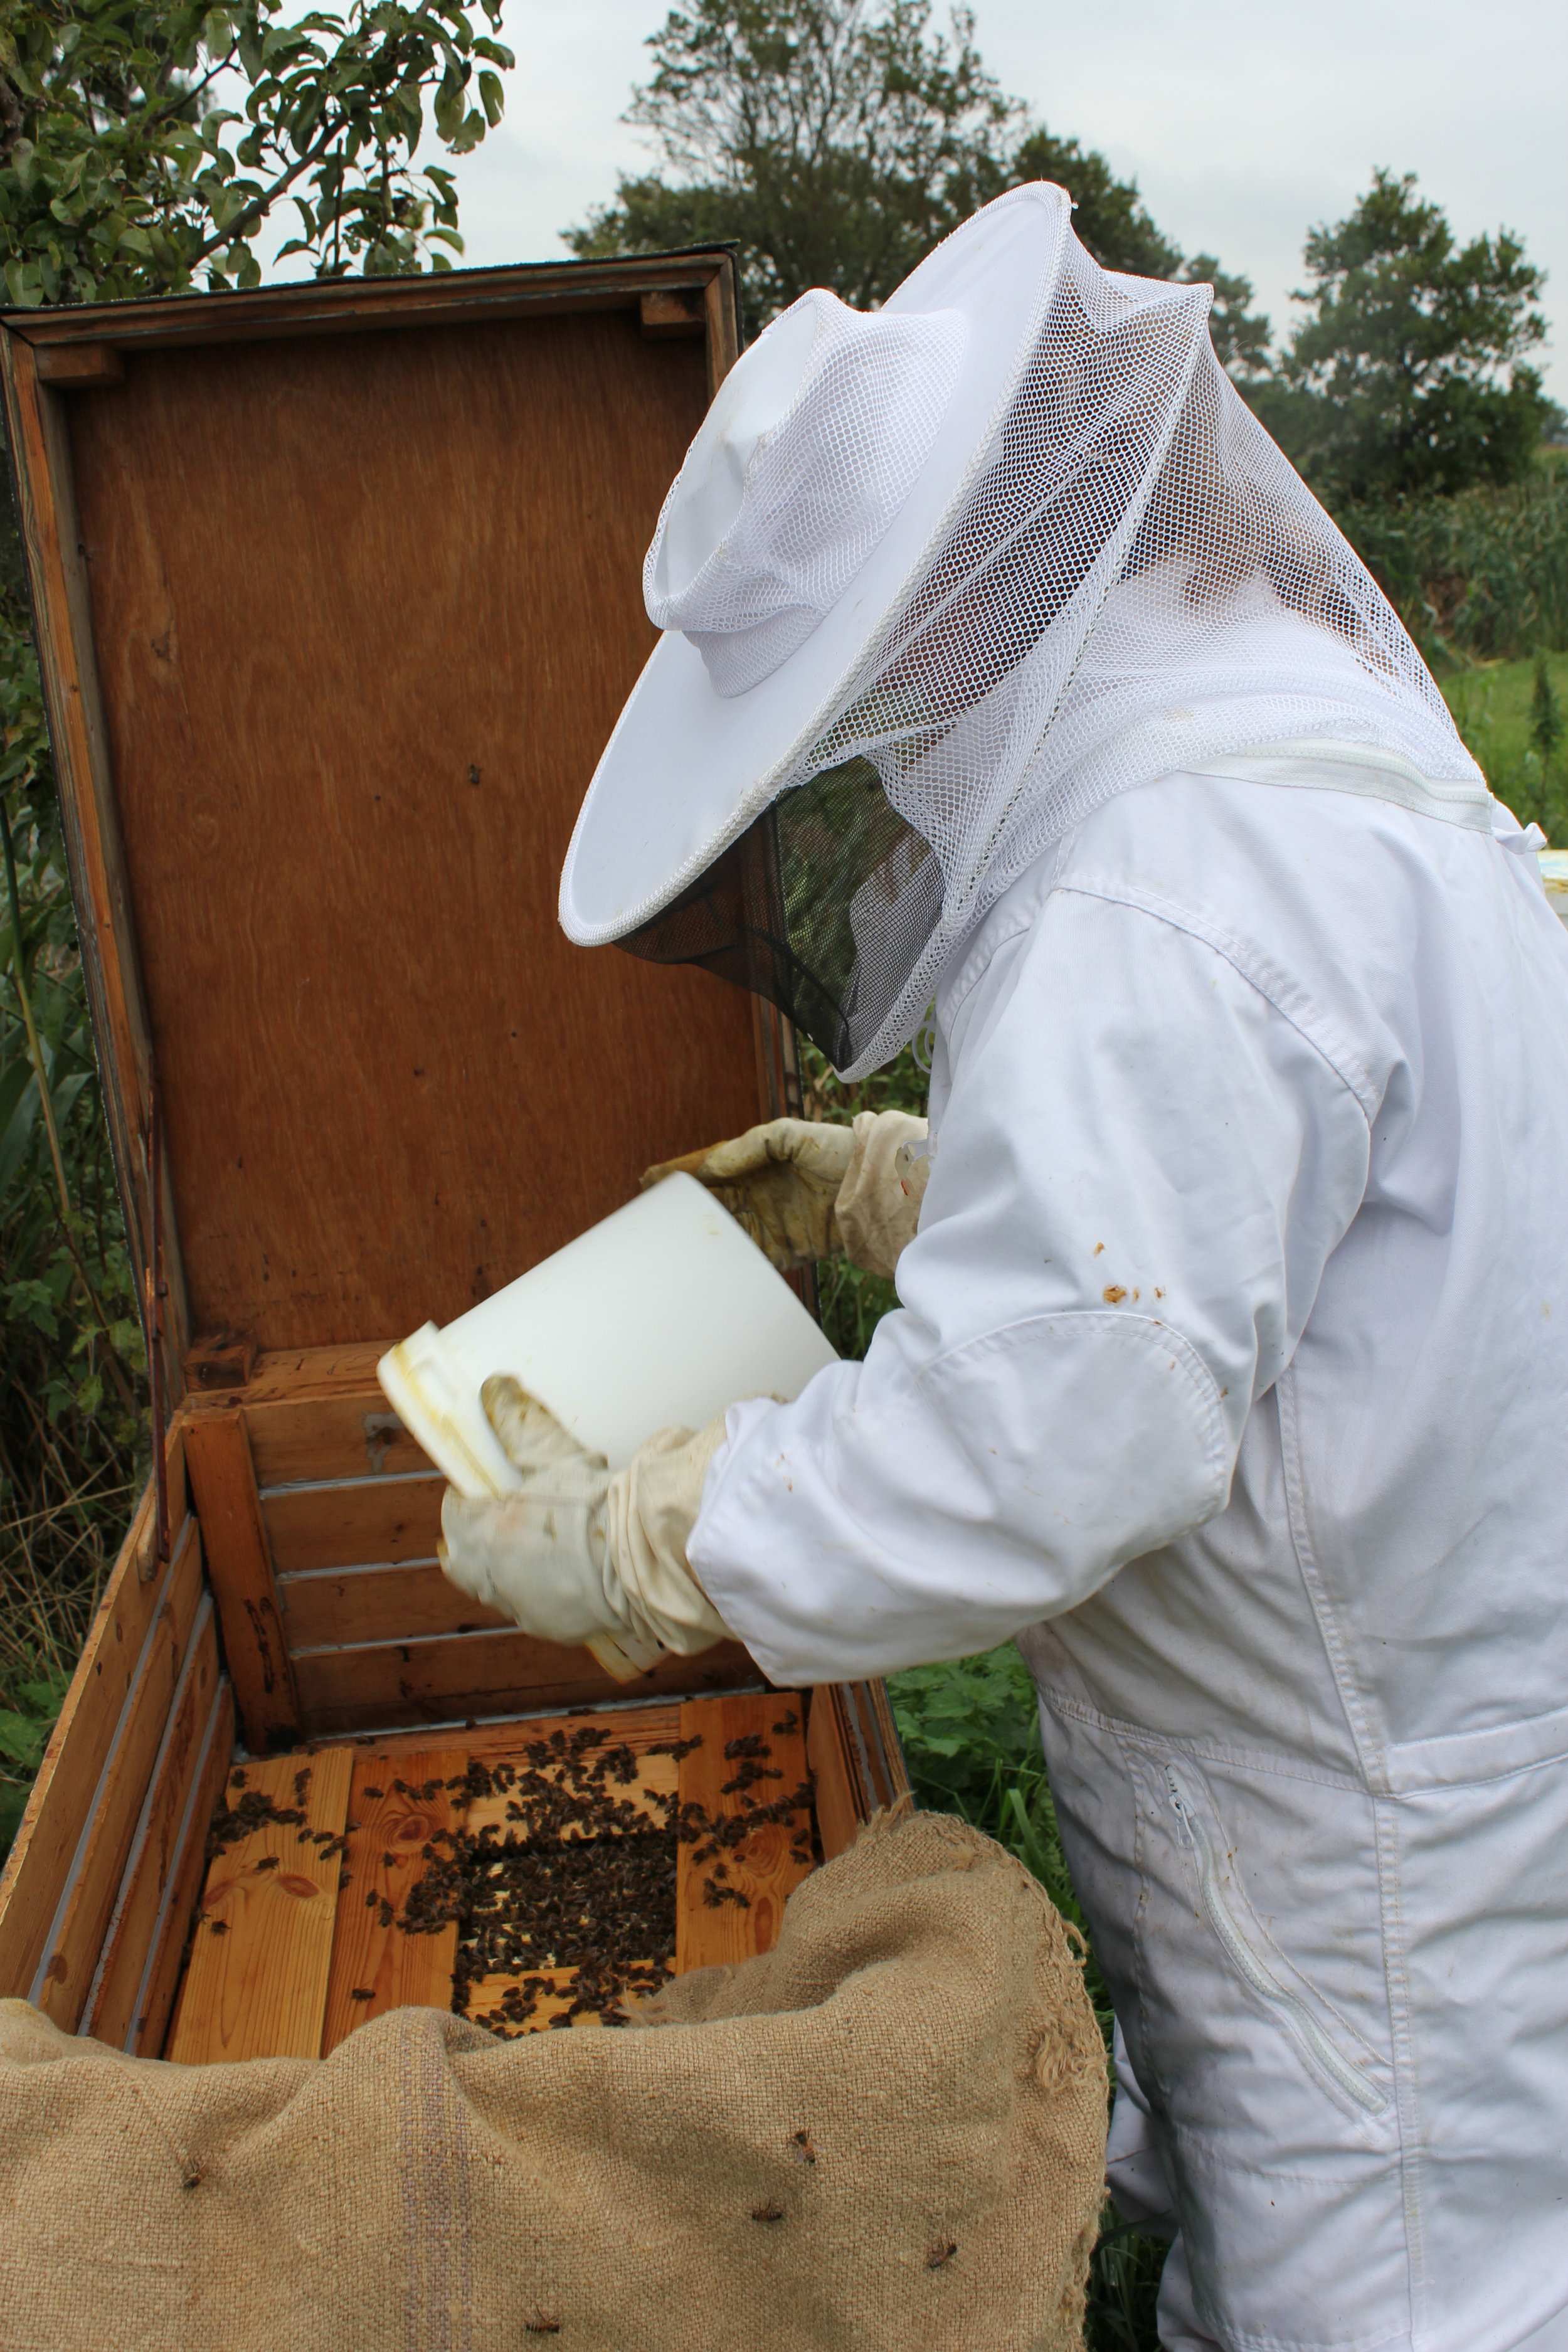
x=779, y=1181
x=576, y=1553
x=879, y=1203
x=791, y=1183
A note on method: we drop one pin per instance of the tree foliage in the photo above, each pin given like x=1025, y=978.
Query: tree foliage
x=834, y=147
x=146, y=148
x=1409, y=372
x=836, y=142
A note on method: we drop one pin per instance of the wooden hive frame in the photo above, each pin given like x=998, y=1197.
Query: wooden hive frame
x=277, y=1586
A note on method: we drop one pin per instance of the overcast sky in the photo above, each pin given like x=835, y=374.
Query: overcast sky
x=1242, y=121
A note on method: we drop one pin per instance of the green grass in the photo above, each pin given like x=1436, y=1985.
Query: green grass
x=1493, y=704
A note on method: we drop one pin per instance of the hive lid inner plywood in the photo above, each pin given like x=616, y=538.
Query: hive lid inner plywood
x=362, y=601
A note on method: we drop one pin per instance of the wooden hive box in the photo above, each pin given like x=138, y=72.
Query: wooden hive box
x=337, y=591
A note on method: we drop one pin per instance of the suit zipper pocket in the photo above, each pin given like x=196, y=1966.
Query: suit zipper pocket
x=1262, y=1979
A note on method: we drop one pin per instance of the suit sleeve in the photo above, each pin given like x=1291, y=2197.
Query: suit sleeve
x=1141, y=1170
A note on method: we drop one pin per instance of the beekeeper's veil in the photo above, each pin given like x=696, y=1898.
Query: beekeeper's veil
x=938, y=581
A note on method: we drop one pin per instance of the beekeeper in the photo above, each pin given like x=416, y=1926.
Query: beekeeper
x=1009, y=666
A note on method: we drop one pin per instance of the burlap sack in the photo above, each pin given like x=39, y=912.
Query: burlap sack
x=888, y=2132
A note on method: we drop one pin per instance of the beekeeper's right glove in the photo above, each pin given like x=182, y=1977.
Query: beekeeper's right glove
x=805, y=1189
x=576, y=1552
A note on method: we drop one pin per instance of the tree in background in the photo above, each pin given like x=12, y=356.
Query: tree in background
x=125, y=169
x=1112, y=220
x=836, y=142
x=145, y=149
x=1409, y=374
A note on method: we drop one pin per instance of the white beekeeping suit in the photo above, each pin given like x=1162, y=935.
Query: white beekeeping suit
x=1008, y=665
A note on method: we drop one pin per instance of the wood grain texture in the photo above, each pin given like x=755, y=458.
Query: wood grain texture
x=76, y=1934
x=160, y=1980
x=111, y=2008
x=329, y=1438
x=376, y=1520
x=367, y=305
x=315, y=1413
x=463, y=1674
x=223, y=1484
x=835, y=1784
x=763, y=1868
x=385, y=1857
x=260, y=521
x=81, y=367
x=256, y=1985
x=333, y=1606
x=659, y=1720
x=51, y=534
x=50, y=1837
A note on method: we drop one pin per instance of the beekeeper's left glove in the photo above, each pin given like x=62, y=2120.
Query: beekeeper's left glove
x=577, y=1552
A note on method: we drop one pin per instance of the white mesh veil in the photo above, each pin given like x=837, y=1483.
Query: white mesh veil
x=1139, y=582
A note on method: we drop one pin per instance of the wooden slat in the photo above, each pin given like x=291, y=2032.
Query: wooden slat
x=396, y=1970
x=461, y=1675
x=315, y=1414
x=75, y=1935
x=723, y=328
x=256, y=1983
x=155, y=1997
x=217, y=1458
x=762, y=1867
x=344, y=1527
x=363, y=304
x=56, y=548
x=111, y=2007
x=81, y=367
x=328, y=1608
x=60, y=1809
x=835, y=1784
x=306, y=1439
x=292, y=1376
x=661, y=1720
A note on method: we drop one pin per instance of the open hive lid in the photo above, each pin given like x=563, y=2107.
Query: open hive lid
x=337, y=596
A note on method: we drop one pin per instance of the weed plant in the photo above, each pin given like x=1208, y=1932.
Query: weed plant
x=1511, y=715
x=1480, y=576
x=71, y=1400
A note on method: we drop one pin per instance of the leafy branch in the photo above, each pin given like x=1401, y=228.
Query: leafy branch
x=118, y=178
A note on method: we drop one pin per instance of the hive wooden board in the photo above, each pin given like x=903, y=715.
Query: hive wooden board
x=340, y=585
x=300, y=1938
x=394, y=1810
x=256, y=1981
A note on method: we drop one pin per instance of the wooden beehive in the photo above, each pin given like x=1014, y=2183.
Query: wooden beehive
x=337, y=591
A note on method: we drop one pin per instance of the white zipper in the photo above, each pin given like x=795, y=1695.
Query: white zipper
x=1262, y=1979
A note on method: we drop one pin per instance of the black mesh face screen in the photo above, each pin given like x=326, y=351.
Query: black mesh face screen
x=822, y=905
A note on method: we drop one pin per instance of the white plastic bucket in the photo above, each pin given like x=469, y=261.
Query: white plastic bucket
x=664, y=1314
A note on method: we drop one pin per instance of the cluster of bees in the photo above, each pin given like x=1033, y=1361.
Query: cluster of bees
x=582, y=1881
